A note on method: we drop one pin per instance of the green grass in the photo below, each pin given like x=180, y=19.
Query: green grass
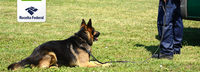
x=128, y=32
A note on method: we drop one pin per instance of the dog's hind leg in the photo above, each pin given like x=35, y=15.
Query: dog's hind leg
x=53, y=63
x=48, y=60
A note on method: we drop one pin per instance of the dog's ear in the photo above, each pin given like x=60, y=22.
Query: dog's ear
x=89, y=24
x=83, y=23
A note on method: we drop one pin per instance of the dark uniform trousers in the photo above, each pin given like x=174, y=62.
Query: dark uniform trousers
x=173, y=32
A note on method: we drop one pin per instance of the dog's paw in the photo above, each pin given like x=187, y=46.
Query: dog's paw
x=99, y=64
x=95, y=62
x=53, y=67
x=107, y=64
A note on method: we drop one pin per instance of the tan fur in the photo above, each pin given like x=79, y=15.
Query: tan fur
x=47, y=61
x=83, y=60
x=89, y=35
x=75, y=63
x=53, y=58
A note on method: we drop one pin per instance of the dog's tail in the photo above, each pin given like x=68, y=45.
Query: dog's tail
x=19, y=64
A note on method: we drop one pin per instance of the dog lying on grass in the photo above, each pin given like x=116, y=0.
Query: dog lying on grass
x=68, y=52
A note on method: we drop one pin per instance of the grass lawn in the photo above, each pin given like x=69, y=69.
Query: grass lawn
x=128, y=32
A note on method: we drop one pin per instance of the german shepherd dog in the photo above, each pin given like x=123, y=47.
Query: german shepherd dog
x=68, y=52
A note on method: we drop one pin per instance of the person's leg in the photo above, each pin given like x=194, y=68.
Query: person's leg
x=178, y=29
x=178, y=35
x=167, y=41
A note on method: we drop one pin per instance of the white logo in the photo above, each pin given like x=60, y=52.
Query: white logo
x=31, y=10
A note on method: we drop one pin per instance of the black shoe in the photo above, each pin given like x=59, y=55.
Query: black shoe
x=162, y=56
x=177, y=53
